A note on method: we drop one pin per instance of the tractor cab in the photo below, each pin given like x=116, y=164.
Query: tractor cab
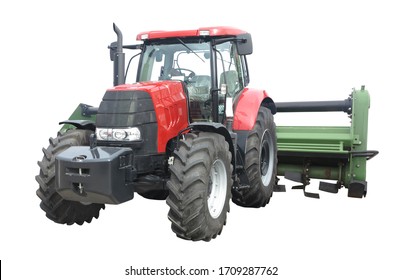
x=210, y=62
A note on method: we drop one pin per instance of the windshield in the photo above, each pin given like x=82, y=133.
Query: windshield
x=178, y=61
x=188, y=62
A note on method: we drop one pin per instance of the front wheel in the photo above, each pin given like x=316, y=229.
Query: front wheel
x=56, y=208
x=200, y=186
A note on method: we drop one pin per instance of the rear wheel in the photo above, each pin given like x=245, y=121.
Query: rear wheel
x=56, y=208
x=260, y=162
x=200, y=186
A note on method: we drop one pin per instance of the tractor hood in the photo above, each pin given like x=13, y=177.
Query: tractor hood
x=162, y=103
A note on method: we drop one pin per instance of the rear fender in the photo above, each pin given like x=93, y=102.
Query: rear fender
x=246, y=109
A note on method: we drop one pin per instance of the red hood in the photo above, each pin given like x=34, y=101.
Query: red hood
x=170, y=104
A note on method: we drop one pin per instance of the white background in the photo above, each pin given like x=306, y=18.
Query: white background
x=54, y=56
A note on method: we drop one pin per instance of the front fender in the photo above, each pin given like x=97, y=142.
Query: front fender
x=83, y=117
x=80, y=124
x=246, y=109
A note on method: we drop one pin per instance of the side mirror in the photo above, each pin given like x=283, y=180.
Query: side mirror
x=113, y=50
x=244, y=44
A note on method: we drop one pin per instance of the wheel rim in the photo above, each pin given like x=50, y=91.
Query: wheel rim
x=217, y=188
x=266, y=158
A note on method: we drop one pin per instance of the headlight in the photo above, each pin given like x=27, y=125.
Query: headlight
x=118, y=134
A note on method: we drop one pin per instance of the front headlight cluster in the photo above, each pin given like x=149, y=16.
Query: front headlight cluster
x=118, y=134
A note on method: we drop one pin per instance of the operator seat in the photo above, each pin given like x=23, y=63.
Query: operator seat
x=201, y=80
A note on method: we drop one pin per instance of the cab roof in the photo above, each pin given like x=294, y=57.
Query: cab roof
x=200, y=32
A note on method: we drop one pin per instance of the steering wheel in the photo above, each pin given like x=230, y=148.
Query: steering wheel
x=186, y=77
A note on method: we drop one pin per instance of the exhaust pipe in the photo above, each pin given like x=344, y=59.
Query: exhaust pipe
x=118, y=57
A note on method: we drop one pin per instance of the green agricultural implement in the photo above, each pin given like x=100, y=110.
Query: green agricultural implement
x=190, y=131
x=336, y=153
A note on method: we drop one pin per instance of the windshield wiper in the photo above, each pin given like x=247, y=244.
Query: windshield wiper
x=187, y=47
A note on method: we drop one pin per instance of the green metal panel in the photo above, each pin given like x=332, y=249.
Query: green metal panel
x=313, y=139
x=359, y=129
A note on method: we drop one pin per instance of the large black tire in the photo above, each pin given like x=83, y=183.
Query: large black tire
x=56, y=208
x=200, y=186
x=260, y=162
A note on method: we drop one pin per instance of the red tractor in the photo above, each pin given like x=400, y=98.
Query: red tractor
x=189, y=131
